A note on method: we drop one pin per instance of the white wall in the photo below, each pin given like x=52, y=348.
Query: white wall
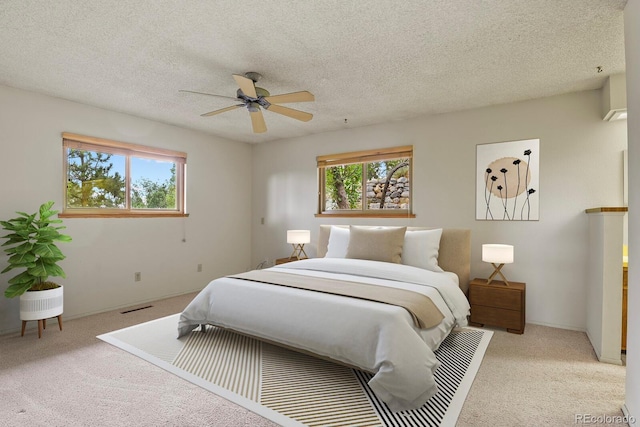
x=105, y=253
x=581, y=167
x=632, y=49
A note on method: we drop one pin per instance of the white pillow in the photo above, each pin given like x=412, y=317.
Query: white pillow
x=421, y=249
x=338, y=242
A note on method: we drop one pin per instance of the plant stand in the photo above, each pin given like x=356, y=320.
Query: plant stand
x=42, y=324
x=40, y=306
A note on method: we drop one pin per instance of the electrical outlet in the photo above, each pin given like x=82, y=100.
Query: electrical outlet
x=137, y=276
x=199, y=268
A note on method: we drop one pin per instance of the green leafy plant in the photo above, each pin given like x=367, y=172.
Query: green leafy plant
x=32, y=248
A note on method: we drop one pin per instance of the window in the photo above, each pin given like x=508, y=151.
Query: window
x=366, y=183
x=106, y=178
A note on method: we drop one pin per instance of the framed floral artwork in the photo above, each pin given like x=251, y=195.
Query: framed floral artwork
x=507, y=181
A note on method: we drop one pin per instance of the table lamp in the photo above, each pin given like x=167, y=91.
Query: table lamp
x=298, y=238
x=498, y=256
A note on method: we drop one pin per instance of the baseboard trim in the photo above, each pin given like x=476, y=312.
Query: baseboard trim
x=67, y=317
x=554, y=325
x=604, y=359
x=611, y=361
x=130, y=304
x=629, y=418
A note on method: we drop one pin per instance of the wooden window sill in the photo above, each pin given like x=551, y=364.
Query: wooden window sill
x=364, y=215
x=122, y=215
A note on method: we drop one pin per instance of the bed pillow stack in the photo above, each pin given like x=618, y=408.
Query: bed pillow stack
x=418, y=248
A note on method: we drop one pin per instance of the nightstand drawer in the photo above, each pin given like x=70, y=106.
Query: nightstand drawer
x=500, y=317
x=494, y=296
x=498, y=304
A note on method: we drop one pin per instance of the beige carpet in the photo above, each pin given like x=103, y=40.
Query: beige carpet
x=542, y=378
x=70, y=378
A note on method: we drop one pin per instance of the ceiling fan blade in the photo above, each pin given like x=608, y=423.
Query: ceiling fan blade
x=208, y=94
x=222, y=110
x=247, y=85
x=257, y=120
x=290, y=112
x=302, y=96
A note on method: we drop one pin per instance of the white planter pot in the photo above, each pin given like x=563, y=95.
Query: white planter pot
x=37, y=305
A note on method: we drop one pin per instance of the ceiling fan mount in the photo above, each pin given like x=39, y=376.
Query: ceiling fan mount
x=253, y=76
x=255, y=99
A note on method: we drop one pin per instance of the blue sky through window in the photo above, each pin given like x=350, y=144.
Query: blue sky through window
x=154, y=170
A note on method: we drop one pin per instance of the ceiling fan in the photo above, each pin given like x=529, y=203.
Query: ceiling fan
x=253, y=97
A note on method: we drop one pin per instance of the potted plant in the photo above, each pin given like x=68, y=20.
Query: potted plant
x=31, y=248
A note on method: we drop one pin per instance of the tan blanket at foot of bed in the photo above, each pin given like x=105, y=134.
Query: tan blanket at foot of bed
x=424, y=312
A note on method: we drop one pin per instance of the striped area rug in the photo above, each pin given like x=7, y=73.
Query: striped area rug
x=296, y=389
x=456, y=354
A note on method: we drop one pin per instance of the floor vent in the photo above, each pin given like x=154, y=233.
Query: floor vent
x=136, y=309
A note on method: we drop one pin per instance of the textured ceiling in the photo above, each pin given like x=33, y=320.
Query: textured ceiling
x=365, y=61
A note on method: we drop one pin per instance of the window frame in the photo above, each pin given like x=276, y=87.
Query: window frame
x=101, y=145
x=363, y=157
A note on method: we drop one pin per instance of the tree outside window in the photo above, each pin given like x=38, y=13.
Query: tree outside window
x=119, y=179
x=343, y=189
x=95, y=180
x=154, y=184
x=368, y=183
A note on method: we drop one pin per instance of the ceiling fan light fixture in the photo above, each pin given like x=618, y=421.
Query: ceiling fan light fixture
x=262, y=91
x=253, y=97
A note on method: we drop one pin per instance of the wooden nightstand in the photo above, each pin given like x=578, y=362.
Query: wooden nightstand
x=285, y=260
x=497, y=304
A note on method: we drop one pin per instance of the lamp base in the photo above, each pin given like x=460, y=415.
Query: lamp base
x=298, y=251
x=497, y=271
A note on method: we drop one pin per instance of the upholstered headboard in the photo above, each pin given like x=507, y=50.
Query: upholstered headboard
x=454, y=254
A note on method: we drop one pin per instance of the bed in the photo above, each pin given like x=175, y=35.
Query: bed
x=394, y=342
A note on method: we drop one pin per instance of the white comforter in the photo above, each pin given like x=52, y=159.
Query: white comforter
x=375, y=337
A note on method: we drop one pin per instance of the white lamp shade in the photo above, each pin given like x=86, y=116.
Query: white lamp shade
x=497, y=254
x=298, y=236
